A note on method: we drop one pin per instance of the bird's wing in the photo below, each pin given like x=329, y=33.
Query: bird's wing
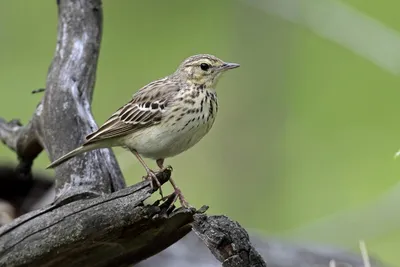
x=145, y=109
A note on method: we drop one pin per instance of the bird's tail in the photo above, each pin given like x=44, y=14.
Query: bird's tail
x=71, y=154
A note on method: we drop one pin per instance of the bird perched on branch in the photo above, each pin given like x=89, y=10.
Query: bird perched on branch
x=165, y=117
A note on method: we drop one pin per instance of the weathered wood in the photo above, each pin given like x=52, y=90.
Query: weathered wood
x=227, y=241
x=23, y=140
x=66, y=113
x=112, y=230
x=191, y=251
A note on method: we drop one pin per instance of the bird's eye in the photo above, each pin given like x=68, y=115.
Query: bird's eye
x=204, y=66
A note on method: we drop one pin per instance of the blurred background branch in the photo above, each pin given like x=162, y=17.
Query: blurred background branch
x=23, y=140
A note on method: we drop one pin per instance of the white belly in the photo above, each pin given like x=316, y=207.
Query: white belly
x=159, y=142
x=166, y=140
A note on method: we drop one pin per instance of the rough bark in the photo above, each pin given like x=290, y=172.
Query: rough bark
x=227, y=241
x=112, y=230
x=67, y=102
x=191, y=250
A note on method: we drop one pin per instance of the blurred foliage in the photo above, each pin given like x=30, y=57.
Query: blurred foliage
x=306, y=128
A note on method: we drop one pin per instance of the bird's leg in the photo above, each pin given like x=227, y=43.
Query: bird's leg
x=179, y=195
x=150, y=174
x=178, y=192
x=160, y=164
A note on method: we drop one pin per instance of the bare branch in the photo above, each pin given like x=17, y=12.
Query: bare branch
x=112, y=230
x=227, y=241
x=23, y=140
x=190, y=250
x=66, y=117
x=9, y=132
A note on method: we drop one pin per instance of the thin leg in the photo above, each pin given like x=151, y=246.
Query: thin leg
x=150, y=174
x=178, y=192
x=160, y=163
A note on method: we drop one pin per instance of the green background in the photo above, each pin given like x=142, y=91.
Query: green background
x=304, y=140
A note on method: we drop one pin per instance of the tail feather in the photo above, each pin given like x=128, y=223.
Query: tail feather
x=71, y=154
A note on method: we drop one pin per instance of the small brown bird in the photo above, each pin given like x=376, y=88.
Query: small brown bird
x=165, y=117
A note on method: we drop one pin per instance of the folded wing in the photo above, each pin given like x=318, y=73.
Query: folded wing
x=144, y=110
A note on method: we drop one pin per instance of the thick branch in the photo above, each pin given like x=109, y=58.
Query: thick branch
x=66, y=117
x=112, y=230
x=190, y=250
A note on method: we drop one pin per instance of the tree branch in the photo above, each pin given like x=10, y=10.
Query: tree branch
x=23, y=140
x=66, y=117
x=111, y=230
x=227, y=241
x=190, y=250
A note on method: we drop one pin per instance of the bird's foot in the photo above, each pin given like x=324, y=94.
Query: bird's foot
x=169, y=168
x=152, y=177
x=182, y=199
x=178, y=195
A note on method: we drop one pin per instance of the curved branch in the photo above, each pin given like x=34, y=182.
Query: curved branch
x=66, y=113
x=23, y=140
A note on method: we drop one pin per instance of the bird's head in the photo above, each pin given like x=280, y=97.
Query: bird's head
x=203, y=70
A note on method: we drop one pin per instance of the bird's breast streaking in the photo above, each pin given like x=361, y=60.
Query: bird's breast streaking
x=186, y=120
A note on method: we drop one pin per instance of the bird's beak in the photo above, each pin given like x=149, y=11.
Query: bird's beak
x=228, y=66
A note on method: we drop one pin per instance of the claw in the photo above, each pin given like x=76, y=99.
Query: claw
x=153, y=178
x=182, y=200
x=177, y=194
x=168, y=168
x=150, y=174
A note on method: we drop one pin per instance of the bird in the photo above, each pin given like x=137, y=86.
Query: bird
x=164, y=118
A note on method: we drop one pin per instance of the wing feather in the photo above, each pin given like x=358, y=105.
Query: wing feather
x=144, y=110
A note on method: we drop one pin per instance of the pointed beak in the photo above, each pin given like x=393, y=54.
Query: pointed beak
x=228, y=66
